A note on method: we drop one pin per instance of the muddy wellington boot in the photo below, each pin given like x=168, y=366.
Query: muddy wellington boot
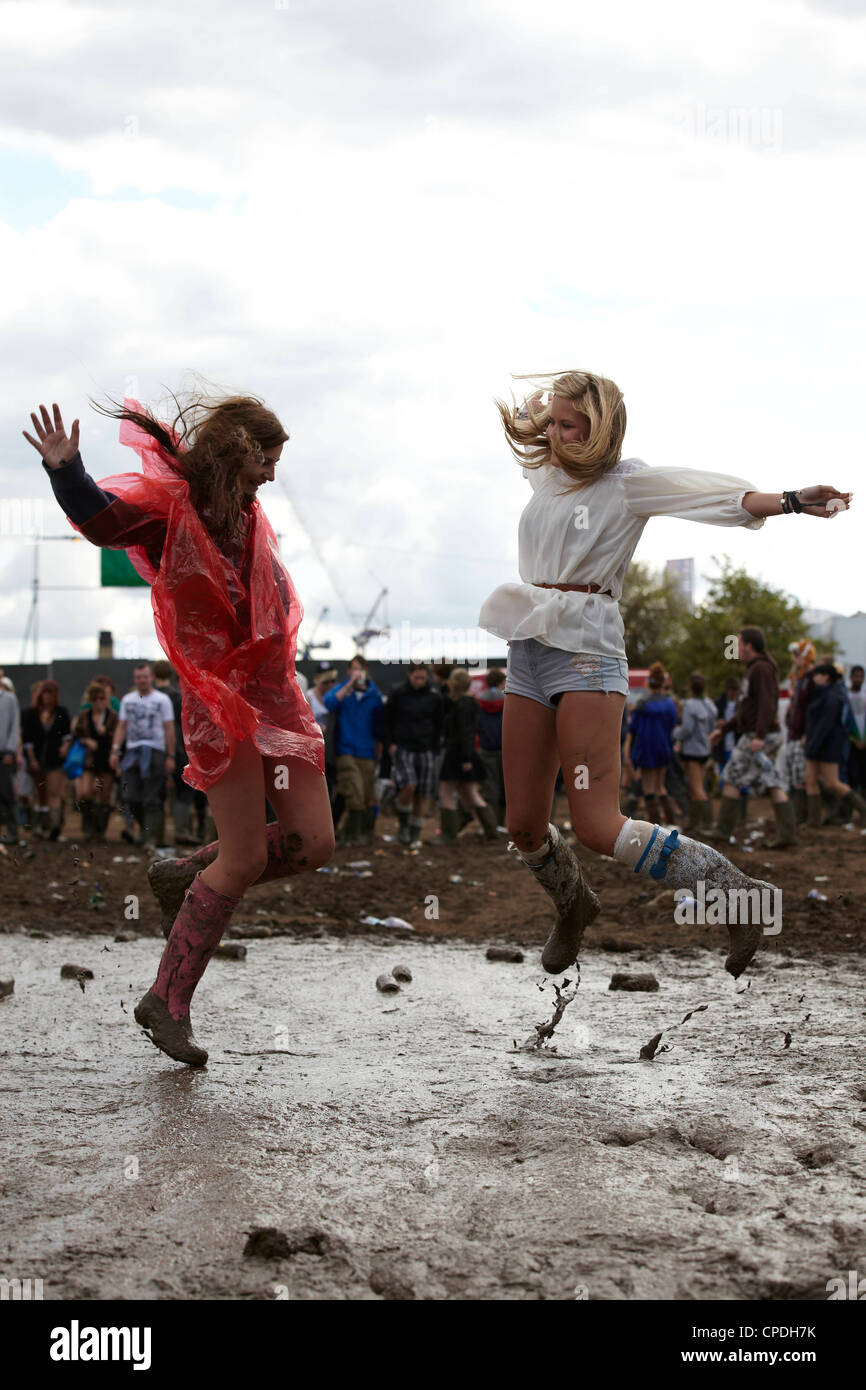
x=368, y=825
x=786, y=826
x=183, y=832
x=561, y=876
x=673, y=860
x=171, y=1035
x=487, y=819
x=164, y=1011
x=404, y=834
x=86, y=809
x=448, y=826
x=701, y=817
x=814, y=812
x=170, y=878
x=797, y=798
x=729, y=819
x=850, y=803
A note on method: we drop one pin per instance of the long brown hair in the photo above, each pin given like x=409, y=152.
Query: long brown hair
x=46, y=687
x=217, y=436
x=596, y=397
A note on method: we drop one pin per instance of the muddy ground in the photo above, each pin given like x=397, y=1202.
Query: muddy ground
x=403, y=1143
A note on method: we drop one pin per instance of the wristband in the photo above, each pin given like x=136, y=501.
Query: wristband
x=791, y=502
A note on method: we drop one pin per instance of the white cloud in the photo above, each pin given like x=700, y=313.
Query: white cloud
x=411, y=202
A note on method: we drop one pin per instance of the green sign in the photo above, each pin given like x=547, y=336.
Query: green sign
x=117, y=570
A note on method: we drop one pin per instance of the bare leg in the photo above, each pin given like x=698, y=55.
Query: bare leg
x=301, y=839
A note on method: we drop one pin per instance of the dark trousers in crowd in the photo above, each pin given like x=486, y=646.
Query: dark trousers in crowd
x=8, y=813
x=188, y=803
x=143, y=796
x=493, y=786
x=856, y=768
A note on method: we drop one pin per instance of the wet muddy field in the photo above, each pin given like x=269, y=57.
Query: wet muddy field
x=405, y=1145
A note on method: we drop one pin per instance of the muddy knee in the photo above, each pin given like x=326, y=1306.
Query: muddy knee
x=321, y=852
x=527, y=837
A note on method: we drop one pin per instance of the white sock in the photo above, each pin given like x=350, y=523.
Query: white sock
x=534, y=857
x=631, y=842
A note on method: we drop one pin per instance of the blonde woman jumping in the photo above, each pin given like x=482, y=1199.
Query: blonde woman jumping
x=567, y=674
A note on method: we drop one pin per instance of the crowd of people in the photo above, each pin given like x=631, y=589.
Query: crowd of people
x=802, y=745
x=432, y=744
x=113, y=754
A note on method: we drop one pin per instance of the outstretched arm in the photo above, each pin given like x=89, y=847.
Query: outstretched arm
x=815, y=501
x=101, y=517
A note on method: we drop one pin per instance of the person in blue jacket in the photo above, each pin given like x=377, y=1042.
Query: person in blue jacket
x=359, y=728
x=825, y=739
x=648, y=746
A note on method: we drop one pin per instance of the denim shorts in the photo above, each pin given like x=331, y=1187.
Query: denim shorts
x=544, y=673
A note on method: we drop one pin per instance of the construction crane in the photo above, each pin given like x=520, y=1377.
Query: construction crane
x=312, y=645
x=363, y=637
x=366, y=632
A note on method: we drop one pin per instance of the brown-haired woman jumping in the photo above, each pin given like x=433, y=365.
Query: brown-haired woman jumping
x=567, y=669
x=227, y=616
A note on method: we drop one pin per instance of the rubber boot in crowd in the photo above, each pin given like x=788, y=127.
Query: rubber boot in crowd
x=850, y=803
x=404, y=834
x=449, y=825
x=728, y=822
x=87, y=809
x=797, y=797
x=786, y=826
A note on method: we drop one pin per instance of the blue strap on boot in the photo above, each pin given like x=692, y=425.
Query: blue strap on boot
x=660, y=868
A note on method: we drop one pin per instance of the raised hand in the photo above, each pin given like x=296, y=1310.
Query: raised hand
x=815, y=500
x=51, y=440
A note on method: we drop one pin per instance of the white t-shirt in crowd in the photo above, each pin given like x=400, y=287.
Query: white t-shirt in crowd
x=321, y=713
x=588, y=536
x=858, y=708
x=145, y=717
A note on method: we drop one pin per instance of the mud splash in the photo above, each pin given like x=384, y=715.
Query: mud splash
x=424, y=1157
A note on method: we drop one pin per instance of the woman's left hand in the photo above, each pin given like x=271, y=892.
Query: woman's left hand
x=815, y=500
x=467, y=767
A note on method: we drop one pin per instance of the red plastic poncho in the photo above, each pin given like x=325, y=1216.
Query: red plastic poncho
x=228, y=623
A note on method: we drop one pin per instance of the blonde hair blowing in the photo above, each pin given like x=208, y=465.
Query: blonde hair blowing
x=459, y=682
x=599, y=399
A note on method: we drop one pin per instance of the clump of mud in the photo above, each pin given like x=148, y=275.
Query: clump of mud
x=539, y=1038
x=269, y=1243
x=650, y=1049
x=80, y=973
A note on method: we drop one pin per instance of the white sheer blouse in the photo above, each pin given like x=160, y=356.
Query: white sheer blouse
x=588, y=536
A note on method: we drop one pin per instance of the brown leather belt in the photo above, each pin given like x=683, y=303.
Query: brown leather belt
x=578, y=588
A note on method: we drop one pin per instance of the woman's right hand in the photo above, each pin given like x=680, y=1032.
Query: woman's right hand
x=52, y=441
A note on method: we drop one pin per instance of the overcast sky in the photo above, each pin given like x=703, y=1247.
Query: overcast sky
x=372, y=214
